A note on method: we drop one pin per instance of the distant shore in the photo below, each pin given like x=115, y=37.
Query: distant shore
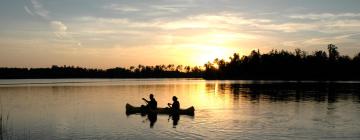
x=274, y=65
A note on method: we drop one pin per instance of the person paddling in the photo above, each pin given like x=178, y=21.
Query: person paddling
x=152, y=104
x=175, y=106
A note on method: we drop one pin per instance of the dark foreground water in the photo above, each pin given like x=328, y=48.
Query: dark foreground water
x=95, y=109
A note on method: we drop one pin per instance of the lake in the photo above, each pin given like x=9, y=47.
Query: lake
x=59, y=109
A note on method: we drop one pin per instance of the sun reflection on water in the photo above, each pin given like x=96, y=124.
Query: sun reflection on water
x=223, y=109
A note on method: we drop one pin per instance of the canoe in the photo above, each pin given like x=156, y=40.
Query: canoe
x=133, y=110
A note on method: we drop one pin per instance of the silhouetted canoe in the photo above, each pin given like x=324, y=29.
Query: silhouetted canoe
x=132, y=110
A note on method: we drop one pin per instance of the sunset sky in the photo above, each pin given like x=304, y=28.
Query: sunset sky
x=110, y=33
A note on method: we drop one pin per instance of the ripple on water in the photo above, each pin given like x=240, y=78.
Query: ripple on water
x=180, y=133
x=96, y=111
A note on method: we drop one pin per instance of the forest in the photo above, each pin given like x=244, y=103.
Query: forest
x=274, y=65
x=285, y=65
x=141, y=71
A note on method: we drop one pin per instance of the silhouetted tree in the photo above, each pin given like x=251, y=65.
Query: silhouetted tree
x=357, y=58
x=333, y=53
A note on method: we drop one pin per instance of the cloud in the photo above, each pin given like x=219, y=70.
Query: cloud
x=206, y=21
x=170, y=8
x=225, y=29
x=345, y=23
x=204, y=29
x=223, y=21
x=122, y=8
x=231, y=21
x=321, y=41
x=39, y=9
x=60, y=29
x=236, y=22
x=104, y=20
x=28, y=11
x=324, y=16
x=348, y=36
x=288, y=27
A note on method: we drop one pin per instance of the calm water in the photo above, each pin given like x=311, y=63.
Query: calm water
x=95, y=109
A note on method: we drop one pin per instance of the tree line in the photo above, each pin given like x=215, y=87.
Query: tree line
x=141, y=71
x=274, y=65
x=285, y=65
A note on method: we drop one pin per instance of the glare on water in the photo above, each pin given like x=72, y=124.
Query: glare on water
x=95, y=109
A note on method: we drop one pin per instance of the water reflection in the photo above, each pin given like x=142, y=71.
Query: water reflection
x=224, y=110
x=287, y=92
x=152, y=117
x=175, y=119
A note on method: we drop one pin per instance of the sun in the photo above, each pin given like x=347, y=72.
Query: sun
x=214, y=45
x=210, y=53
x=202, y=48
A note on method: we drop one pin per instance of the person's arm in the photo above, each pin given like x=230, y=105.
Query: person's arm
x=169, y=105
x=145, y=100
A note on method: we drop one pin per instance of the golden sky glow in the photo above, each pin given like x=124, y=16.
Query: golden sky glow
x=104, y=34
